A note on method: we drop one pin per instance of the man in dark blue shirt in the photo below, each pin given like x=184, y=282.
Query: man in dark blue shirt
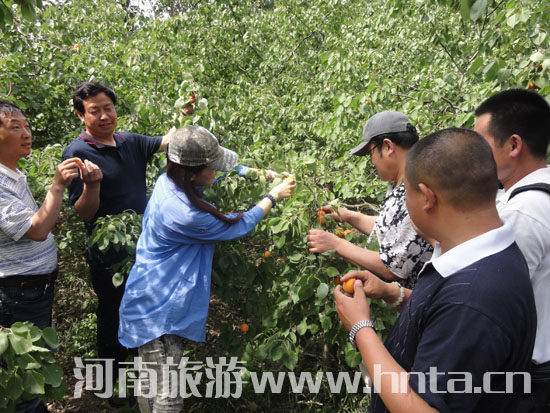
x=113, y=181
x=465, y=335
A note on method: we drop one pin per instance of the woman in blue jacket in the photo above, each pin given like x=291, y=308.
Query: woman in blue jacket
x=168, y=290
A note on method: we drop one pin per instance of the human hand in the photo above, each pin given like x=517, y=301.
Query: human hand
x=90, y=173
x=339, y=215
x=189, y=108
x=372, y=286
x=270, y=175
x=284, y=189
x=65, y=172
x=320, y=241
x=351, y=309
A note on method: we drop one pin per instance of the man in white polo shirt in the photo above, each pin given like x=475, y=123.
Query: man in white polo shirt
x=28, y=259
x=516, y=123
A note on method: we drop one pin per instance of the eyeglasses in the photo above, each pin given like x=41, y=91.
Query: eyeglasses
x=369, y=152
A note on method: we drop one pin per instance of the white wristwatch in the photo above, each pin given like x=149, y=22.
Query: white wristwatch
x=356, y=327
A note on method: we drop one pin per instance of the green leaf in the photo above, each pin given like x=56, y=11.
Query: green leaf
x=262, y=352
x=50, y=337
x=353, y=358
x=302, y=327
x=465, y=9
x=322, y=291
x=326, y=322
x=118, y=279
x=20, y=345
x=21, y=328
x=536, y=57
x=3, y=341
x=290, y=359
x=53, y=374
x=332, y=272
x=313, y=328
x=26, y=362
x=276, y=353
x=478, y=8
x=14, y=389
x=476, y=64
x=57, y=392
x=33, y=382
x=28, y=12
x=35, y=333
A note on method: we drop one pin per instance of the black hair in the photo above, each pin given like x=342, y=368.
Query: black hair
x=90, y=89
x=522, y=112
x=181, y=176
x=7, y=106
x=403, y=139
x=458, y=163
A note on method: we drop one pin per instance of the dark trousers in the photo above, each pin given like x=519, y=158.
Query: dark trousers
x=27, y=304
x=109, y=298
x=538, y=401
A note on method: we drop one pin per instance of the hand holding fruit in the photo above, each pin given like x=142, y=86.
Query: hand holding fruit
x=351, y=309
x=65, y=173
x=339, y=215
x=90, y=173
x=284, y=189
x=372, y=286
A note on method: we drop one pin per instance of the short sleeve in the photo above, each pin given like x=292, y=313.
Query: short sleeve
x=15, y=216
x=401, y=249
x=149, y=145
x=531, y=236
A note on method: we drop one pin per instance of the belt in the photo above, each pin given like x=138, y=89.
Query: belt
x=28, y=281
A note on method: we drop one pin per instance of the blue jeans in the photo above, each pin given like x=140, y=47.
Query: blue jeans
x=27, y=304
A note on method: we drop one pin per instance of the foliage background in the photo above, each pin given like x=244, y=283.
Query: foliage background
x=288, y=85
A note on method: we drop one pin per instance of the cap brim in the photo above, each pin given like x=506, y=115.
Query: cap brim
x=226, y=162
x=361, y=149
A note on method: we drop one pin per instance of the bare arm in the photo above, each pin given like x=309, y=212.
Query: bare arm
x=45, y=218
x=361, y=222
x=374, y=287
x=87, y=205
x=283, y=190
x=374, y=353
x=320, y=241
x=166, y=138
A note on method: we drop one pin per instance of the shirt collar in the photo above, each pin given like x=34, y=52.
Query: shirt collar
x=540, y=175
x=471, y=251
x=91, y=141
x=15, y=175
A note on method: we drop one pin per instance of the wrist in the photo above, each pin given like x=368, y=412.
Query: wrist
x=56, y=189
x=271, y=198
x=355, y=329
x=92, y=185
x=396, y=294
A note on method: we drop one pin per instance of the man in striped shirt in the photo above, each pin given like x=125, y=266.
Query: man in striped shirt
x=28, y=259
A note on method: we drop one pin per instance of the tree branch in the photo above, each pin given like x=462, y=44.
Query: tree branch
x=293, y=52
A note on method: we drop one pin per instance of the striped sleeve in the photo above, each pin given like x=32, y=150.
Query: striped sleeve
x=15, y=215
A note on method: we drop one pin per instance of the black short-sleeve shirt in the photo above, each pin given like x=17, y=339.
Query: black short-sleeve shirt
x=123, y=186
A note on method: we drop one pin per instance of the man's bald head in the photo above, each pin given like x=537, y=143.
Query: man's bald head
x=456, y=163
